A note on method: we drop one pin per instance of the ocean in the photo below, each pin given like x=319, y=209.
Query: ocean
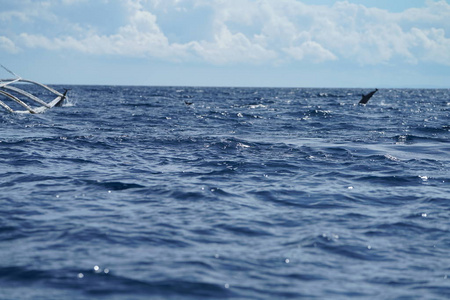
x=227, y=193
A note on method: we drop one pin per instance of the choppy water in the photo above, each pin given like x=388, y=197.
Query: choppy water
x=129, y=193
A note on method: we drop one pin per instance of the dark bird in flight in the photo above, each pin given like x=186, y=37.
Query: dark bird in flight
x=366, y=98
x=188, y=103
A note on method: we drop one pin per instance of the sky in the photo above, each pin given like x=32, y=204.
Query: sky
x=255, y=43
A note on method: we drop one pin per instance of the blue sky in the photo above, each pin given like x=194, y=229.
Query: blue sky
x=274, y=43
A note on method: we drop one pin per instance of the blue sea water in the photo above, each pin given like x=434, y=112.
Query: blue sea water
x=247, y=193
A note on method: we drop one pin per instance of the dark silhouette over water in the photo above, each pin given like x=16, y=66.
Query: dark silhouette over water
x=366, y=98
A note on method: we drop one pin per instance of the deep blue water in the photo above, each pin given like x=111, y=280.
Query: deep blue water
x=248, y=193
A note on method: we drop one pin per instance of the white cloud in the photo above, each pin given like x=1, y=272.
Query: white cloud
x=140, y=37
x=258, y=31
x=344, y=31
x=312, y=51
x=71, y=2
x=7, y=45
x=436, y=47
x=231, y=48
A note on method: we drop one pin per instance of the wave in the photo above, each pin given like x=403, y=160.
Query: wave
x=113, y=185
x=99, y=282
x=246, y=194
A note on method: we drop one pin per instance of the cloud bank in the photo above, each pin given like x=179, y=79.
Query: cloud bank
x=233, y=31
